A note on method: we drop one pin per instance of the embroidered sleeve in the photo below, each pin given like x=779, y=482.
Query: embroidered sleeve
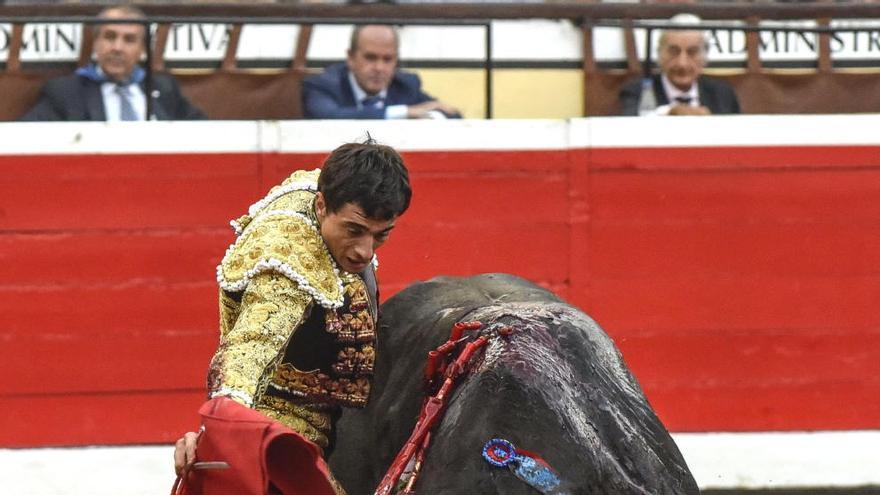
x=272, y=308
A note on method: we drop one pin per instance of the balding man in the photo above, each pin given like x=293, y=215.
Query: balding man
x=369, y=85
x=680, y=88
x=112, y=87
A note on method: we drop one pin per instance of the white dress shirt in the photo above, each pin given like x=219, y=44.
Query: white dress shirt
x=672, y=92
x=113, y=106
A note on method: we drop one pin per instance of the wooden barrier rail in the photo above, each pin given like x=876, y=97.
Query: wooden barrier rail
x=275, y=94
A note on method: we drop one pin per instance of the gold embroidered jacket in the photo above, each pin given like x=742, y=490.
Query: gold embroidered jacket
x=297, y=335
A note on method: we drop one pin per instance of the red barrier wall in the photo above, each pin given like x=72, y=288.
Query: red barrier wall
x=740, y=283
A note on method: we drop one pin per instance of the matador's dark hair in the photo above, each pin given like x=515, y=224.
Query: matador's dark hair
x=368, y=174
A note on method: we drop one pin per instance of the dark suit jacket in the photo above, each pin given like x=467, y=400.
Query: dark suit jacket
x=76, y=98
x=716, y=95
x=329, y=95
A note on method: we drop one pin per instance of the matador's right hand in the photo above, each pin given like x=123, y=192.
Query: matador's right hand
x=185, y=451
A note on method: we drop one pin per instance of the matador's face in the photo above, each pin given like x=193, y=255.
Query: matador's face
x=350, y=235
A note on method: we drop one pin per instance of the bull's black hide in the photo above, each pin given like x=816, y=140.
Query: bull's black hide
x=557, y=387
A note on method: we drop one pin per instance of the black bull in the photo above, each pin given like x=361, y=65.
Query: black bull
x=557, y=387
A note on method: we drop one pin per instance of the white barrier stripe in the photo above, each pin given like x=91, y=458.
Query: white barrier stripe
x=424, y=135
x=301, y=136
x=114, y=138
x=730, y=130
x=717, y=460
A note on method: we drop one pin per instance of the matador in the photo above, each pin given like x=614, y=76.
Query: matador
x=298, y=292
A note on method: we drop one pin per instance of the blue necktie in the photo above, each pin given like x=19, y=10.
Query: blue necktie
x=374, y=101
x=126, y=110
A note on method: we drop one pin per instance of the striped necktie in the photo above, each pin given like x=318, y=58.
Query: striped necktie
x=374, y=101
x=126, y=110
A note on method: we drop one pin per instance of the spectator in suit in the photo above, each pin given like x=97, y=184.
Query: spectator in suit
x=112, y=87
x=680, y=88
x=369, y=85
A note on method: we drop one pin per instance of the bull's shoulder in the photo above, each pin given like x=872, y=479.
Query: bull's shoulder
x=445, y=292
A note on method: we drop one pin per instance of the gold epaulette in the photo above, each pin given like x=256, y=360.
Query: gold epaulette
x=283, y=241
x=301, y=180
